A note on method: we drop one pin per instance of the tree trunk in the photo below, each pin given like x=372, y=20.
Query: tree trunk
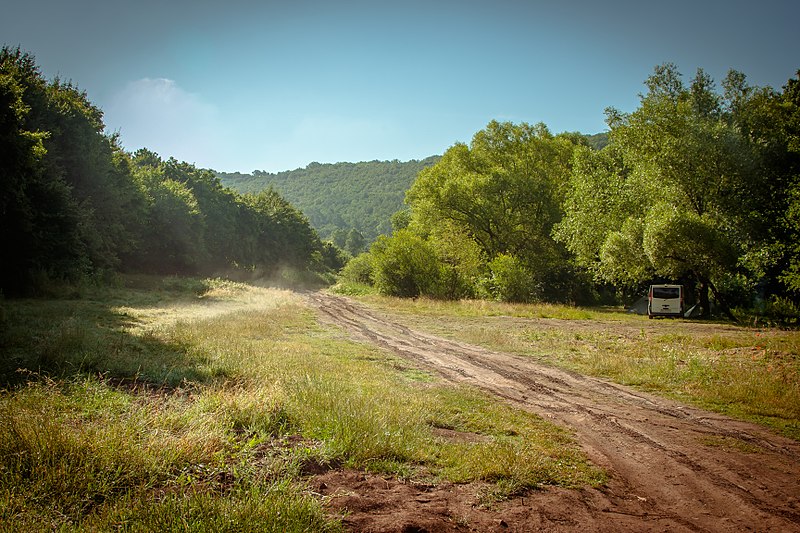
x=722, y=304
x=705, y=304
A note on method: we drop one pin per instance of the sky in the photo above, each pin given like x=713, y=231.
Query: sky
x=274, y=85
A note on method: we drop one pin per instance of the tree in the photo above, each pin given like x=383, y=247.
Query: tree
x=511, y=281
x=772, y=121
x=40, y=219
x=355, y=242
x=680, y=177
x=174, y=235
x=85, y=189
x=284, y=235
x=504, y=191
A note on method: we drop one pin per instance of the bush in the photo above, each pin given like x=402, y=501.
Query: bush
x=358, y=269
x=511, y=281
x=405, y=265
x=783, y=311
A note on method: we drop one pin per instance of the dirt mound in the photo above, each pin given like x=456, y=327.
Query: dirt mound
x=372, y=503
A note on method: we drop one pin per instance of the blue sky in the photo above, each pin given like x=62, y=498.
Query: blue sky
x=275, y=85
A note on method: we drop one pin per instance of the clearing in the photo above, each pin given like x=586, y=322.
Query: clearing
x=671, y=467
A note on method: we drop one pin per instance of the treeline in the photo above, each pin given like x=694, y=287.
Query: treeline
x=695, y=186
x=74, y=203
x=347, y=203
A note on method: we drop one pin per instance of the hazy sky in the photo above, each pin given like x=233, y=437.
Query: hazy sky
x=274, y=85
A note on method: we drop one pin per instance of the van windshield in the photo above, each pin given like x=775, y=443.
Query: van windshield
x=666, y=293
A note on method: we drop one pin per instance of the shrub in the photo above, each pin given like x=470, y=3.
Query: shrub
x=511, y=281
x=405, y=265
x=783, y=311
x=359, y=269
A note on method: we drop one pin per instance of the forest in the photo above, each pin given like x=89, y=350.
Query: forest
x=75, y=205
x=695, y=186
x=698, y=185
x=349, y=204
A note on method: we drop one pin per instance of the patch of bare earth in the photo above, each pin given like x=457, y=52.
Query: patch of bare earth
x=671, y=467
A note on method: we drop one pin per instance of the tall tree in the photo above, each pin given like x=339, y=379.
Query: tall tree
x=681, y=176
x=284, y=235
x=41, y=221
x=505, y=191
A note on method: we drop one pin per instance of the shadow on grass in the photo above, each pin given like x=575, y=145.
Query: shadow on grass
x=87, y=334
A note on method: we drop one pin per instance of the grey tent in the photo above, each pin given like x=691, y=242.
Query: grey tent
x=693, y=312
x=640, y=306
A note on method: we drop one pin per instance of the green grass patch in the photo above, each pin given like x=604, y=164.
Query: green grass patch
x=729, y=443
x=483, y=308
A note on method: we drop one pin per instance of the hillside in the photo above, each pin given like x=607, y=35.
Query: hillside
x=340, y=196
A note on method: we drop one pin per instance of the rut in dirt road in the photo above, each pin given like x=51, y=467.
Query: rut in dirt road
x=662, y=476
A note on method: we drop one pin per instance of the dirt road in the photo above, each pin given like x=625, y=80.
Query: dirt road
x=663, y=474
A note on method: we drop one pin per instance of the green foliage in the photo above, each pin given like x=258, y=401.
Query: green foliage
x=341, y=196
x=782, y=311
x=73, y=203
x=504, y=190
x=284, y=235
x=461, y=261
x=63, y=198
x=404, y=265
x=511, y=281
x=677, y=241
x=791, y=275
x=332, y=257
x=175, y=235
x=401, y=219
x=787, y=169
x=502, y=195
x=354, y=242
x=693, y=185
x=600, y=200
x=359, y=269
x=598, y=141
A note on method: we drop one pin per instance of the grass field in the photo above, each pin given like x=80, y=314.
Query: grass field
x=745, y=372
x=204, y=405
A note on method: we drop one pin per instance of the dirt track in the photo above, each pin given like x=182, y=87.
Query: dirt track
x=662, y=476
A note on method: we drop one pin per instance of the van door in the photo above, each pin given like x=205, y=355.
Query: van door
x=665, y=300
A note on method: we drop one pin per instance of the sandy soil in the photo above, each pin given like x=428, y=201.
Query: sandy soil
x=663, y=475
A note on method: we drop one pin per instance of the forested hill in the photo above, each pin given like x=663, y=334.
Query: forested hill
x=342, y=196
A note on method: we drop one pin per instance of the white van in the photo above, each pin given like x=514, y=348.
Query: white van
x=665, y=300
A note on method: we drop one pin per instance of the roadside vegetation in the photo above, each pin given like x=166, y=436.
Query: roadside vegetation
x=166, y=403
x=751, y=373
x=697, y=186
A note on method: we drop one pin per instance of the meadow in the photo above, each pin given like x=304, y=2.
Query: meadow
x=208, y=405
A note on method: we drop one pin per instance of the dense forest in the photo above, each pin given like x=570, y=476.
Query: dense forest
x=347, y=203
x=695, y=186
x=74, y=204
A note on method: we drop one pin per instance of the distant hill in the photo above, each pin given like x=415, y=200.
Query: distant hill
x=340, y=196
x=598, y=141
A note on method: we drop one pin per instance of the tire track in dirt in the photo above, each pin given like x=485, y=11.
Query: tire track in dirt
x=662, y=477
